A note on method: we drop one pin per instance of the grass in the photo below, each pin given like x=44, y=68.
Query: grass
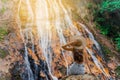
x=3, y=33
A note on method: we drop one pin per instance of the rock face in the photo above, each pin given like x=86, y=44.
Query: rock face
x=81, y=77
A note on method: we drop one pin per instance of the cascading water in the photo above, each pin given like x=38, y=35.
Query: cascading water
x=98, y=64
x=49, y=16
x=93, y=39
x=27, y=64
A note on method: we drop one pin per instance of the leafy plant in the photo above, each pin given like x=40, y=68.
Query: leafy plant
x=107, y=19
x=110, y=5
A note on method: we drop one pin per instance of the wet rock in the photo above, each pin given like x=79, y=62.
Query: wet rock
x=16, y=71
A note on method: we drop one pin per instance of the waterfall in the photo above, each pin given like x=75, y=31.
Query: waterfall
x=93, y=39
x=49, y=15
x=27, y=64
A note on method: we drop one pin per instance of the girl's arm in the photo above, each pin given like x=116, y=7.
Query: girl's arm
x=68, y=47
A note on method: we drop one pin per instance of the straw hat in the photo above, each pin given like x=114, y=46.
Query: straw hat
x=79, y=38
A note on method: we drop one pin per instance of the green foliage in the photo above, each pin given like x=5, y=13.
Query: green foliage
x=3, y=33
x=110, y=5
x=107, y=18
x=3, y=10
x=4, y=1
x=90, y=5
x=3, y=53
x=104, y=30
x=118, y=43
x=118, y=71
x=106, y=50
